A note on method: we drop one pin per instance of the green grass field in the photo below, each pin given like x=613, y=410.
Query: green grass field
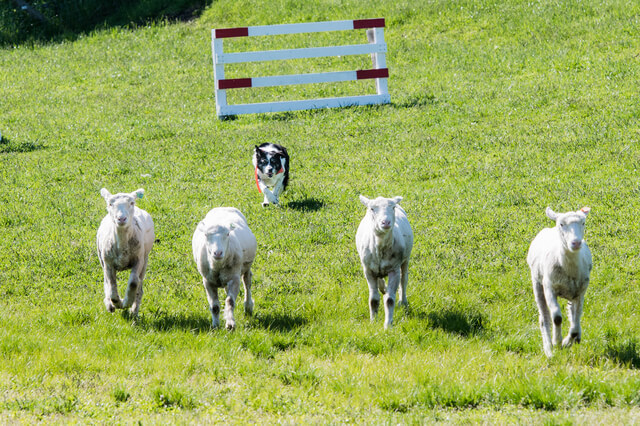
x=499, y=109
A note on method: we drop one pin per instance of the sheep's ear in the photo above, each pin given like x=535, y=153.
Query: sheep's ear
x=551, y=214
x=201, y=227
x=585, y=210
x=364, y=200
x=139, y=193
x=105, y=194
x=397, y=199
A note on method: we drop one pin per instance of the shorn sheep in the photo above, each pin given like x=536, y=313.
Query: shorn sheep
x=560, y=263
x=224, y=249
x=384, y=241
x=124, y=239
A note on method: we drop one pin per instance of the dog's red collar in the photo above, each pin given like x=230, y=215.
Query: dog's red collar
x=256, y=175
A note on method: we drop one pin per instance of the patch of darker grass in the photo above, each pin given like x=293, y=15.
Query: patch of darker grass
x=165, y=397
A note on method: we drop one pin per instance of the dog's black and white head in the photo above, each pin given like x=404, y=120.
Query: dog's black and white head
x=270, y=159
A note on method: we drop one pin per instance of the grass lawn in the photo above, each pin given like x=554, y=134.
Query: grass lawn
x=499, y=109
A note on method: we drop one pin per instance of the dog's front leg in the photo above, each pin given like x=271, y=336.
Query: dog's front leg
x=269, y=198
x=268, y=195
x=277, y=190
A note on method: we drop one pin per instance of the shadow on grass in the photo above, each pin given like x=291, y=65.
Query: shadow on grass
x=7, y=146
x=417, y=100
x=455, y=321
x=51, y=21
x=624, y=353
x=177, y=321
x=277, y=322
x=306, y=204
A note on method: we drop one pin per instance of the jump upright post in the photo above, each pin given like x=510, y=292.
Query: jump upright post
x=376, y=47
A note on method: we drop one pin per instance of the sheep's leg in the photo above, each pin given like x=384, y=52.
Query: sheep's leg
x=111, y=297
x=132, y=286
x=555, y=311
x=403, y=283
x=574, y=309
x=214, y=303
x=138, y=296
x=233, y=287
x=390, y=298
x=374, y=294
x=544, y=318
x=248, y=300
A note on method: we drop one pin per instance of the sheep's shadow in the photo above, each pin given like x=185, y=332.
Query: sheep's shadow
x=455, y=321
x=282, y=322
x=7, y=146
x=624, y=353
x=306, y=204
x=175, y=321
x=198, y=323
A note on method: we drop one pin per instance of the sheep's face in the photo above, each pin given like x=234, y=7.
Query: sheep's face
x=570, y=227
x=217, y=241
x=121, y=206
x=382, y=212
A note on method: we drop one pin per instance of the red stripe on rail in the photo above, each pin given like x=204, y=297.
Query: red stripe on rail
x=368, y=23
x=234, y=83
x=232, y=32
x=375, y=73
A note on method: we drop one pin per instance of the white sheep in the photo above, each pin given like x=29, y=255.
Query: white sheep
x=124, y=240
x=560, y=263
x=384, y=241
x=224, y=249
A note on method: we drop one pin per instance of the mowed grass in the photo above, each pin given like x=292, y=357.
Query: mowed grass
x=498, y=111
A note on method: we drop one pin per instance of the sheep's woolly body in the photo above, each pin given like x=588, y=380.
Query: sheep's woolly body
x=560, y=263
x=224, y=249
x=384, y=241
x=124, y=240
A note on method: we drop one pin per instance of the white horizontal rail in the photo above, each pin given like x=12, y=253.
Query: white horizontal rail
x=305, y=27
x=288, y=80
x=304, y=53
x=311, y=78
x=304, y=104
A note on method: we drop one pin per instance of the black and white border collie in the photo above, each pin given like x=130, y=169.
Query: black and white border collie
x=271, y=163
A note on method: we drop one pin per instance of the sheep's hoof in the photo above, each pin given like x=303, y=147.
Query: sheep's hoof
x=248, y=309
x=570, y=340
x=108, y=303
x=231, y=326
x=265, y=204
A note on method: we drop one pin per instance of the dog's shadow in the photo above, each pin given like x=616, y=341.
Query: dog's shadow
x=306, y=204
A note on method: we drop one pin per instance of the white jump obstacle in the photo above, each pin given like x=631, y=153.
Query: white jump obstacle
x=376, y=47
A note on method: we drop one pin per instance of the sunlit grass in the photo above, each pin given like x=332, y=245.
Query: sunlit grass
x=498, y=110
